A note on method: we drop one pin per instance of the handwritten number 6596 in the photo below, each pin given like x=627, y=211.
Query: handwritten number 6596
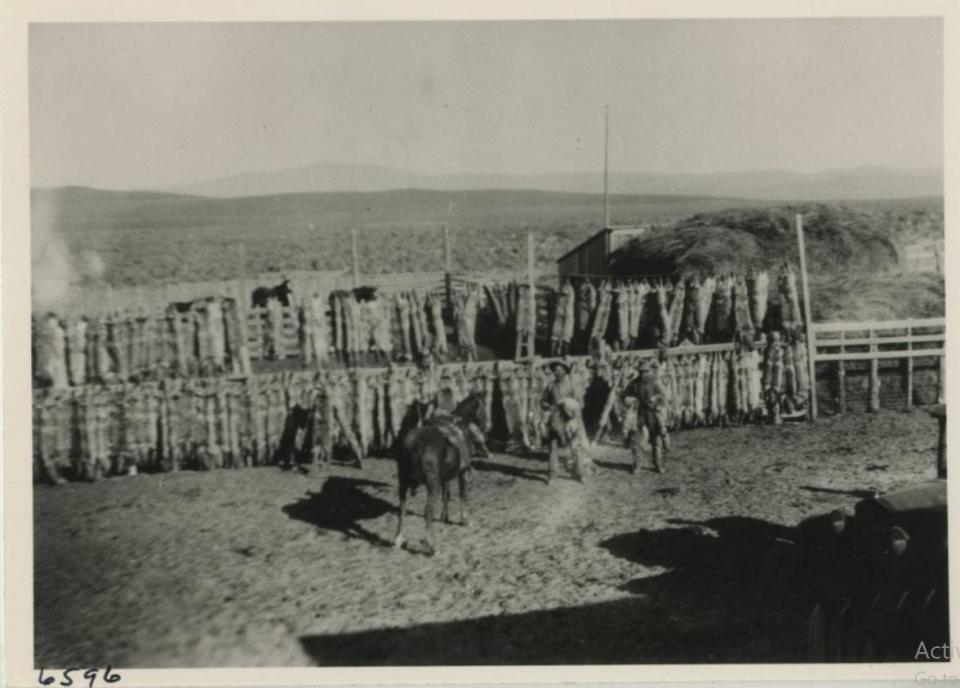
x=90, y=675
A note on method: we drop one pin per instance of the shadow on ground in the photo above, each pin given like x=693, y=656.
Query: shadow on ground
x=711, y=604
x=340, y=506
x=488, y=465
x=859, y=494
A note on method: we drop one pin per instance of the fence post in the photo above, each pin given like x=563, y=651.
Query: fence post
x=243, y=312
x=532, y=299
x=448, y=277
x=808, y=319
x=306, y=330
x=909, y=367
x=874, y=376
x=842, y=376
x=942, y=380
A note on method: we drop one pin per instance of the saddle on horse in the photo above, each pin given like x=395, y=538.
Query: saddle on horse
x=455, y=435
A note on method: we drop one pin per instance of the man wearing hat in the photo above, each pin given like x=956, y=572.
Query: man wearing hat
x=442, y=418
x=560, y=394
x=651, y=409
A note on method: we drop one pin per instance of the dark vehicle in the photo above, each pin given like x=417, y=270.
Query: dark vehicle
x=876, y=581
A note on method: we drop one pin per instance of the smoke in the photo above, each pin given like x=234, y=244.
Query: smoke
x=55, y=271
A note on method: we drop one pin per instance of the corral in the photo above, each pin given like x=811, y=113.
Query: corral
x=292, y=566
x=262, y=567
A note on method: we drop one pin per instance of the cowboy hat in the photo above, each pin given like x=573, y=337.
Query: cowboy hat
x=562, y=366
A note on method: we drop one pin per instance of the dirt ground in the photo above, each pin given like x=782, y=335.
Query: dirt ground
x=261, y=566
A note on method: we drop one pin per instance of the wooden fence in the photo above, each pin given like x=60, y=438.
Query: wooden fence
x=100, y=300
x=870, y=343
x=97, y=430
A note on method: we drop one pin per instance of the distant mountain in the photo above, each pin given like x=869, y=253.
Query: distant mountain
x=847, y=184
x=320, y=178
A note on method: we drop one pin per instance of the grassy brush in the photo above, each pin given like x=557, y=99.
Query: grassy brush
x=839, y=239
x=852, y=254
x=143, y=238
x=877, y=296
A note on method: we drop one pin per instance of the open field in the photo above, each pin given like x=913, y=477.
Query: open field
x=265, y=567
x=150, y=237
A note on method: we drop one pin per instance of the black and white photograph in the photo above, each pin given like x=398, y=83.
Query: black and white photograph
x=467, y=343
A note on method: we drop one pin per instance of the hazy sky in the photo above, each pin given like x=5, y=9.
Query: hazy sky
x=141, y=105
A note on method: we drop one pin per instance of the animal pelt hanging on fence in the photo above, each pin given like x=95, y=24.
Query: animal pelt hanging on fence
x=689, y=330
x=439, y=330
x=50, y=349
x=722, y=325
x=704, y=302
x=789, y=301
x=466, y=316
x=742, y=321
x=586, y=303
x=758, y=285
x=561, y=333
x=675, y=317
x=76, y=340
x=601, y=316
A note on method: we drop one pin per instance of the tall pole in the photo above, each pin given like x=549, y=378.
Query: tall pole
x=606, y=161
x=531, y=288
x=353, y=250
x=446, y=249
x=807, y=317
x=243, y=300
x=447, y=277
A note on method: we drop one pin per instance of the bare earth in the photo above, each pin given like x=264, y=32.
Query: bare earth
x=262, y=567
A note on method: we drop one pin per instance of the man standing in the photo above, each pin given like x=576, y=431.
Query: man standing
x=560, y=394
x=651, y=403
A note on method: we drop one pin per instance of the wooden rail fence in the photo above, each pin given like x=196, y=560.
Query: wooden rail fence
x=97, y=430
x=875, y=341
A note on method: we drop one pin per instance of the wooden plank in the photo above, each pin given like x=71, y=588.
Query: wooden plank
x=807, y=317
x=645, y=353
x=870, y=355
x=868, y=341
x=942, y=382
x=866, y=326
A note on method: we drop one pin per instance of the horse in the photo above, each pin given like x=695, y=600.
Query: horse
x=364, y=294
x=187, y=306
x=434, y=450
x=281, y=292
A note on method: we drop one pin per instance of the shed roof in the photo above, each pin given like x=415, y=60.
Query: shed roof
x=605, y=230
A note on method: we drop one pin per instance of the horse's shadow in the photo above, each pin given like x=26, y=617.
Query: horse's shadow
x=486, y=465
x=340, y=506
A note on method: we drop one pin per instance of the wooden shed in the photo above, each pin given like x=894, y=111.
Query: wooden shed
x=591, y=257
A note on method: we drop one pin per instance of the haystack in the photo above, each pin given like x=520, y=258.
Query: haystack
x=838, y=238
x=852, y=258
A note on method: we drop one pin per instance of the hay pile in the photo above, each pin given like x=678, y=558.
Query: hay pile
x=852, y=257
x=877, y=296
x=839, y=239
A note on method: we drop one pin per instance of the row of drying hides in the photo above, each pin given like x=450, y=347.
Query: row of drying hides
x=213, y=337
x=206, y=338
x=630, y=314
x=169, y=425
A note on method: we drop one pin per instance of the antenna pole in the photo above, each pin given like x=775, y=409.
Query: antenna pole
x=356, y=261
x=606, y=159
